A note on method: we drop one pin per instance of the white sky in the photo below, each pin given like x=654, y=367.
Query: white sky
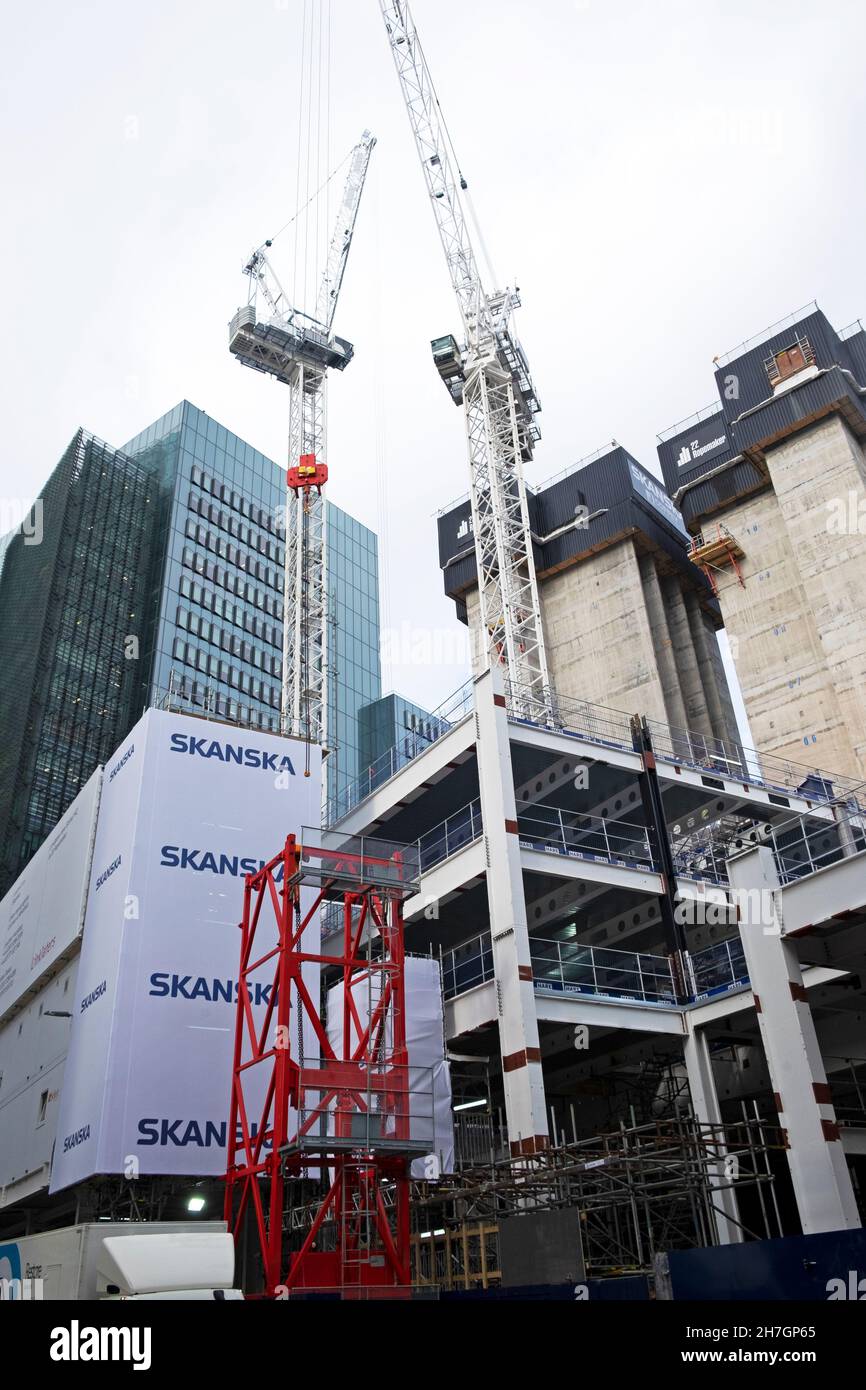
x=663, y=180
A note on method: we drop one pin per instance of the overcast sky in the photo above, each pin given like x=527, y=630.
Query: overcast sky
x=663, y=180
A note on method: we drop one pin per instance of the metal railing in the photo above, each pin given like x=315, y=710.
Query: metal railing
x=188, y=696
x=717, y=969
x=334, y=857
x=411, y=746
x=720, y=757
x=578, y=836
x=801, y=844
x=467, y=966
x=848, y=1090
x=706, y=413
x=568, y=968
x=578, y=718
x=766, y=333
x=459, y=830
x=802, y=847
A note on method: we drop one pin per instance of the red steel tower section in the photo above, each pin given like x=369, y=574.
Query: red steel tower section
x=338, y=1123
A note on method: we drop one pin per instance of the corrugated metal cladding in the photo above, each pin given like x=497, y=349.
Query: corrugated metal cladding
x=750, y=415
x=695, y=450
x=747, y=376
x=802, y=405
x=625, y=496
x=856, y=346
x=714, y=493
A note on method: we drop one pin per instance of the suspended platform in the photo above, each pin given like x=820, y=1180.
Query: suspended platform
x=714, y=551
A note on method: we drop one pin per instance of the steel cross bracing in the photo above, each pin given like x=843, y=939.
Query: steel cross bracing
x=299, y=350
x=305, y=629
x=490, y=377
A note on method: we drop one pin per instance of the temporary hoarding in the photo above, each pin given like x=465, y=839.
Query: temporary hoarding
x=42, y=914
x=194, y=806
x=33, y=1047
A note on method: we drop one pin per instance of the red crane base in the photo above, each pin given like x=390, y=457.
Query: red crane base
x=337, y=1124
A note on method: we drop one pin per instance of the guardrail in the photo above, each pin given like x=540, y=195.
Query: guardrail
x=578, y=836
x=717, y=969
x=459, y=830
x=801, y=848
x=578, y=718
x=719, y=757
x=801, y=844
x=566, y=968
x=467, y=966
x=714, y=756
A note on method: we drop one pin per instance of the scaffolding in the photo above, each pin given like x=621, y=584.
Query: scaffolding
x=715, y=550
x=638, y=1190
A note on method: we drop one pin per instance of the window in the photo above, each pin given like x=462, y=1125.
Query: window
x=43, y=1108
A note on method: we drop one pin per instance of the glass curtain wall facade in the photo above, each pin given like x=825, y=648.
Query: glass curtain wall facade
x=354, y=675
x=73, y=620
x=394, y=723
x=216, y=642
x=158, y=580
x=218, y=639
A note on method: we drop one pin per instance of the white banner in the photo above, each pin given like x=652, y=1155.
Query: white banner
x=194, y=808
x=42, y=914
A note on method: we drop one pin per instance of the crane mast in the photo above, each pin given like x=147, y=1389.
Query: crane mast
x=488, y=375
x=299, y=350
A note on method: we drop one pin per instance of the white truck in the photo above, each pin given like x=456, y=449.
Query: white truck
x=123, y=1259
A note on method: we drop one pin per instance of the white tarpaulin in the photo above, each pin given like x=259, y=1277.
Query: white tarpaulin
x=193, y=808
x=430, y=1078
x=42, y=914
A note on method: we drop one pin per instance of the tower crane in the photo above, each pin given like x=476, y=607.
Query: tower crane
x=299, y=349
x=488, y=374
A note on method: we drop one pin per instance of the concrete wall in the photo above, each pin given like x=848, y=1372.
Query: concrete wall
x=623, y=635
x=818, y=478
x=599, y=634
x=796, y=625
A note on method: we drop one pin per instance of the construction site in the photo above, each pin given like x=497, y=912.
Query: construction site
x=557, y=991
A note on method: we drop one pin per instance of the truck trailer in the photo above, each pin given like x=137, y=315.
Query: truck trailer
x=121, y=1260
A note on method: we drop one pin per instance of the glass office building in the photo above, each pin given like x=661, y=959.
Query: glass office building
x=73, y=607
x=394, y=728
x=217, y=641
x=159, y=581
x=354, y=676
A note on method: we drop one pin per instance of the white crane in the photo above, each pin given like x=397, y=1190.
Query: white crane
x=489, y=376
x=299, y=349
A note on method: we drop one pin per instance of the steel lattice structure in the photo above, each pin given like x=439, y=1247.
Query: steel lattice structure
x=299, y=350
x=341, y=1121
x=488, y=375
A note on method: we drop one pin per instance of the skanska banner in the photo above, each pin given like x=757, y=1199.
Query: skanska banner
x=41, y=916
x=188, y=808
